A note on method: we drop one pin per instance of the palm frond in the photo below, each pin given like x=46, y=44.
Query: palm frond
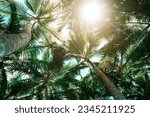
x=139, y=40
x=18, y=87
x=13, y=26
x=31, y=5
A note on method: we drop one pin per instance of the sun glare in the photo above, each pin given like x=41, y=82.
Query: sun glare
x=91, y=12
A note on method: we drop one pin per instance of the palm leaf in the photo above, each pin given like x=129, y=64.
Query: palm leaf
x=139, y=40
x=29, y=5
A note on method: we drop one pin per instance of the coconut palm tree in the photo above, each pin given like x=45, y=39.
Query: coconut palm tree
x=11, y=43
x=121, y=39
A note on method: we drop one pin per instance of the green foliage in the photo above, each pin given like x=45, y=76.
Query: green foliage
x=14, y=20
x=32, y=4
x=50, y=67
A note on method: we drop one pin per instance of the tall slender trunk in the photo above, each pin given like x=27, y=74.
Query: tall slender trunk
x=107, y=81
x=12, y=42
x=46, y=92
x=113, y=90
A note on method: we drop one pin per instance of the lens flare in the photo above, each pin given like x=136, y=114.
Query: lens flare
x=91, y=12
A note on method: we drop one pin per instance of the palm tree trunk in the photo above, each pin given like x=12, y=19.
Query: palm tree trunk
x=109, y=84
x=114, y=91
x=12, y=42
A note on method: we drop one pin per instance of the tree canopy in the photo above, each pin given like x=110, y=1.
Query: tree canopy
x=73, y=50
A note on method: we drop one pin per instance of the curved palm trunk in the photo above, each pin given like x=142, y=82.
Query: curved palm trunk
x=12, y=42
x=109, y=84
x=114, y=91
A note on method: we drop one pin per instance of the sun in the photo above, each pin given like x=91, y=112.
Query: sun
x=91, y=12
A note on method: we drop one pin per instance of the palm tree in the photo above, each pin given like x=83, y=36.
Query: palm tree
x=82, y=45
x=11, y=43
